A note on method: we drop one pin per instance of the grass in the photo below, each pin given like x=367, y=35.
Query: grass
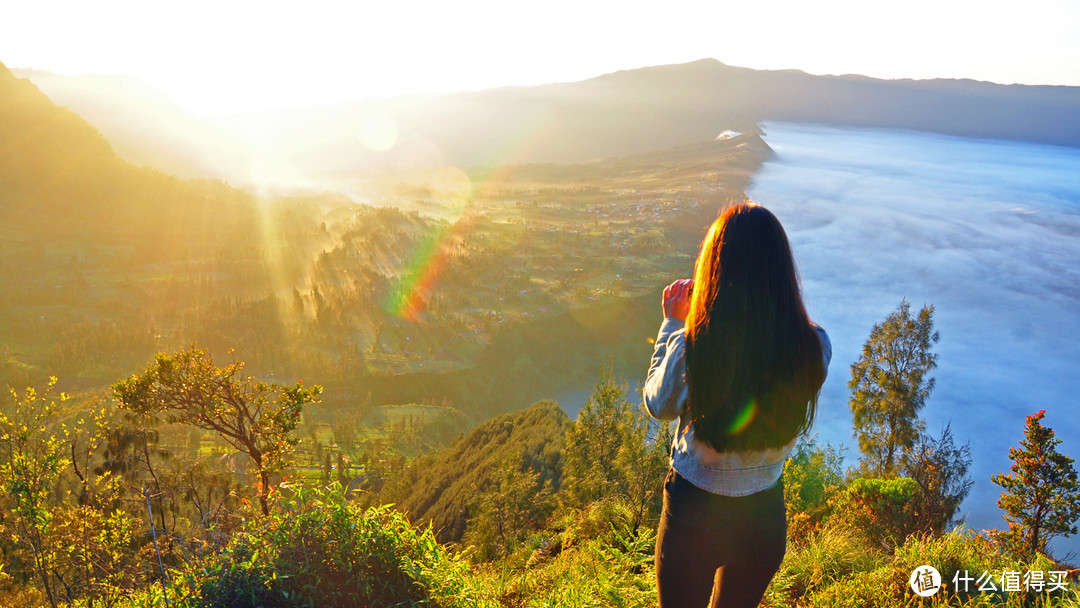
x=837, y=569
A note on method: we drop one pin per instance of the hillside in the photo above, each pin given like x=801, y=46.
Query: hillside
x=440, y=487
x=60, y=178
x=566, y=258
x=46, y=153
x=144, y=126
x=105, y=259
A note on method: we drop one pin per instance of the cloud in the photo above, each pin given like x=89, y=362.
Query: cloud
x=986, y=231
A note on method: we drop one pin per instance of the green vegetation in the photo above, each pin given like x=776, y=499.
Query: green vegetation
x=1042, y=496
x=889, y=386
x=32, y=463
x=255, y=418
x=316, y=549
x=837, y=568
x=443, y=487
x=501, y=517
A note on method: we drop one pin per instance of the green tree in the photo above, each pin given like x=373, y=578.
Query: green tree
x=643, y=462
x=890, y=383
x=254, y=417
x=517, y=502
x=939, y=467
x=32, y=460
x=1042, y=496
x=591, y=467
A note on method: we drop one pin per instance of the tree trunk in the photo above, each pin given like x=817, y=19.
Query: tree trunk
x=264, y=492
x=39, y=565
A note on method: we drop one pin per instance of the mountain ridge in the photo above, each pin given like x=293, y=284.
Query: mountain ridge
x=61, y=179
x=615, y=114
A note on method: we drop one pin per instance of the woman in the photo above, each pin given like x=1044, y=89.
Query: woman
x=740, y=364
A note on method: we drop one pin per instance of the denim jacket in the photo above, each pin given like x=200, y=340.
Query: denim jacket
x=725, y=473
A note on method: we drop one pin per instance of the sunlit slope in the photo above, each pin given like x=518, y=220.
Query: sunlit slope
x=105, y=262
x=144, y=125
x=60, y=179
x=440, y=487
x=519, y=282
x=47, y=153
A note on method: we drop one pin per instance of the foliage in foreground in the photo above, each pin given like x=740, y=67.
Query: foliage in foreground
x=317, y=549
x=838, y=568
x=253, y=417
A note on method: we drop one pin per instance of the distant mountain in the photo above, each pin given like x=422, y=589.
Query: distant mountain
x=61, y=181
x=46, y=154
x=627, y=112
x=144, y=125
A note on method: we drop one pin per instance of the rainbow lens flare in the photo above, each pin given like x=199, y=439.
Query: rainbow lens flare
x=744, y=418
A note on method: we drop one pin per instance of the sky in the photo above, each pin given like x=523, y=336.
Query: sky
x=219, y=57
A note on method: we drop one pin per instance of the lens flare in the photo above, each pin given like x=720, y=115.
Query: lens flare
x=409, y=297
x=377, y=132
x=744, y=418
x=452, y=186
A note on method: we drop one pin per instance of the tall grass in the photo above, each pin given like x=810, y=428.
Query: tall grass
x=838, y=568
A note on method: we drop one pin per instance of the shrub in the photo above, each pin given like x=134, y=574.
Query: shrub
x=880, y=508
x=939, y=467
x=315, y=549
x=812, y=476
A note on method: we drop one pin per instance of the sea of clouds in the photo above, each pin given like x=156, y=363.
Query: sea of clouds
x=987, y=231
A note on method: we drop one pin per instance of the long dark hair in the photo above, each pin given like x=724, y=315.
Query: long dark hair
x=753, y=358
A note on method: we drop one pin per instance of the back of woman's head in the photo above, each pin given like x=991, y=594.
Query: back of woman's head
x=753, y=358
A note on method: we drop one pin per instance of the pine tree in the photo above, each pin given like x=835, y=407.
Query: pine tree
x=1042, y=495
x=890, y=384
x=939, y=467
x=590, y=466
x=517, y=502
x=643, y=460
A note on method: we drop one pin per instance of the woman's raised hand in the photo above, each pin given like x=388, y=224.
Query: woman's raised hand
x=677, y=299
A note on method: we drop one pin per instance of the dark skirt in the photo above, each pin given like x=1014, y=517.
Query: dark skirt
x=720, y=547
